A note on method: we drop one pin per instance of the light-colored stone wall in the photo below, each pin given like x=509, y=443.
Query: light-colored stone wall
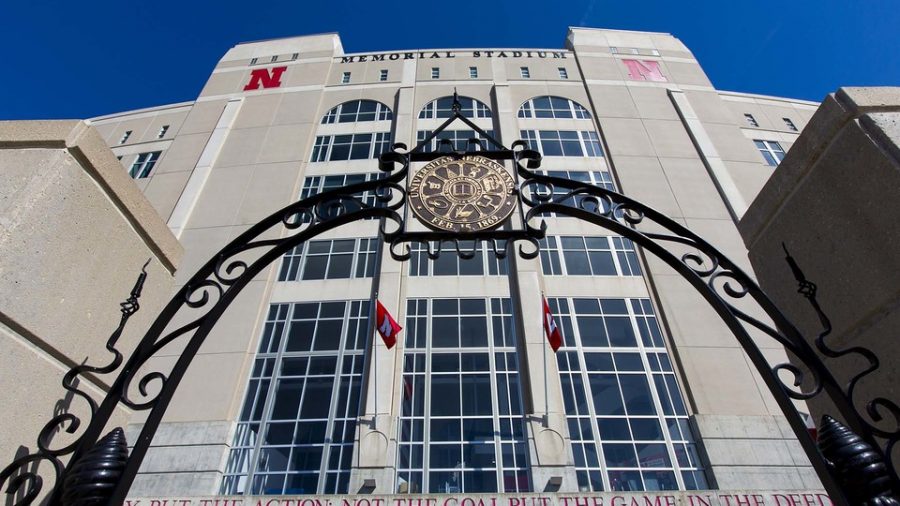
x=833, y=203
x=74, y=233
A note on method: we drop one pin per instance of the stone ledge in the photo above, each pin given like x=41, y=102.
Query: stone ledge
x=85, y=144
x=836, y=112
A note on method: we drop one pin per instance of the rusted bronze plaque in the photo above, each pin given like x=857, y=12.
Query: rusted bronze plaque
x=468, y=194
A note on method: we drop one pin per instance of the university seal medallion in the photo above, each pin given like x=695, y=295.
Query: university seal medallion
x=468, y=194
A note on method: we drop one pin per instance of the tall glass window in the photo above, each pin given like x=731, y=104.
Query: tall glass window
x=296, y=429
x=314, y=185
x=443, y=108
x=626, y=416
x=462, y=426
x=144, y=164
x=329, y=148
x=588, y=256
x=563, y=142
x=771, y=151
x=599, y=178
x=553, y=107
x=459, y=139
x=330, y=259
x=483, y=262
x=359, y=110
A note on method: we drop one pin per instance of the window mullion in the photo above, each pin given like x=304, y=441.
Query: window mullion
x=495, y=407
x=335, y=397
x=269, y=401
x=660, y=415
x=615, y=256
x=426, y=408
x=588, y=393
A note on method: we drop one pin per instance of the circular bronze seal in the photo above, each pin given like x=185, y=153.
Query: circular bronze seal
x=468, y=194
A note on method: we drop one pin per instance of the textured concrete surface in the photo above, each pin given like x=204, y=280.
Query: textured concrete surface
x=74, y=233
x=833, y=202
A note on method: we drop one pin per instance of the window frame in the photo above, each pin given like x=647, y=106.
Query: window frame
x=525, y=72
x=265, y=380
x=383, y=75
x=294, y=263
x=338, y=114
x=454, y=136
x=563, y=73
x=324, y=146
x=771, y=151
x=539, y=107
x=422, y=266
x=144, y=164
x=666, y=396
x=345, y=78
x=588, y=142
x=417, y=387
x=621, y=251
x=441, y=108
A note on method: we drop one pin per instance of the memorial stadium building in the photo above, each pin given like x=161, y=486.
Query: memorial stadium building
x=293, y=394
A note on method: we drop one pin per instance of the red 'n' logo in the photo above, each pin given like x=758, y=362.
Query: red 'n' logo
x=644, y=70
x=262, y=76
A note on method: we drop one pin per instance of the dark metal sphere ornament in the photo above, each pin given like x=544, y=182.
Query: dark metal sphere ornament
x=467, y=194
x=93, y=478
x=858, y=467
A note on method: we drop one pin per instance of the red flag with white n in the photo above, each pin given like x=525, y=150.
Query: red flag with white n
x=386, y=325
x=554, y=337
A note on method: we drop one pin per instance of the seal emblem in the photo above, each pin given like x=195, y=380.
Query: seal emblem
x=471, y=193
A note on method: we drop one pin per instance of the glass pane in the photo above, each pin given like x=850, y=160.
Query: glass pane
x=317, y=398
x=445, y=396
x=474, y=331
x=476, y=395
x=620, y=331
x=605, y=392
x=287, y=399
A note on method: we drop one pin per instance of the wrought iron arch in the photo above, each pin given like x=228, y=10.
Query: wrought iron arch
x=98, y=471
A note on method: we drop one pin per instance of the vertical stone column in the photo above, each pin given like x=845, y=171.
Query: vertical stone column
x=375, y=453
x=549, y=448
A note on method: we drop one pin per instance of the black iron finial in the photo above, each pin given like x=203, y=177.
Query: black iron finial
x=856, y=465
x=93, y=478
x=456, y=107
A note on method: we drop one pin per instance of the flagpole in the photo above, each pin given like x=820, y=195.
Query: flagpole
x=546, y=388
x=375, y=369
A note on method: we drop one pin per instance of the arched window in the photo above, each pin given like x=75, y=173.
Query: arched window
x=358, y=110
x=443, y=108
x=553, y=107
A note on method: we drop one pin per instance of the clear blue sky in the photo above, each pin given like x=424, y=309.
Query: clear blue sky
x=71, y=59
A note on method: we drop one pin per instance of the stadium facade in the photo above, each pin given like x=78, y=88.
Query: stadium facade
x=292, y=395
